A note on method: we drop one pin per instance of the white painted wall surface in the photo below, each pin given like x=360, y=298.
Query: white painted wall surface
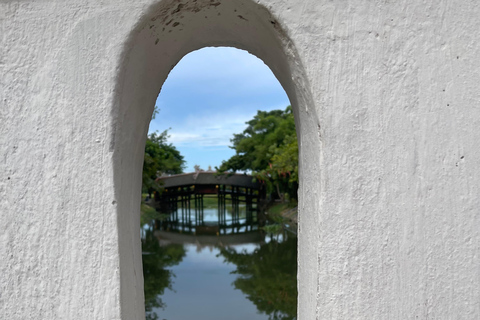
x=387, y=101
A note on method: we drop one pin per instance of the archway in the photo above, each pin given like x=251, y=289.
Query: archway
x=166, y=33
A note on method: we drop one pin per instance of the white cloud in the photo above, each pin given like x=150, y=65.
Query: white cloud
x=209, y=130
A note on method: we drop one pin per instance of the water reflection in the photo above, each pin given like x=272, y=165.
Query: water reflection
x=210, y=221
x=156, y=259
x=268, y=276
x=239, y=274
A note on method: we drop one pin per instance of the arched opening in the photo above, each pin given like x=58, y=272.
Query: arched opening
x=206, y=246
x=166, y=33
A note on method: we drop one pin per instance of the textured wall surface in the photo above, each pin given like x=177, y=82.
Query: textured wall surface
x=386, y=98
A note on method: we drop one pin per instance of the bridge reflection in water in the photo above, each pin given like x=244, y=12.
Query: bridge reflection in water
x=224, y=268
x=183, y=200
x=234, y=276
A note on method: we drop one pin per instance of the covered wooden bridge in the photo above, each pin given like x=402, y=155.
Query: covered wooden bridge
x=183, y=200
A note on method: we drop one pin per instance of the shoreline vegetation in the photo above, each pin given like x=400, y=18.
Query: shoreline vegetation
x=282, y=216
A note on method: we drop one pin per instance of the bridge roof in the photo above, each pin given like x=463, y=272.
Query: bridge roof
x=208, y=178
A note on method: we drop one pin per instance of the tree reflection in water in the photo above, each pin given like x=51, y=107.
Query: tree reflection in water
x=268, y=276
x=157, y=278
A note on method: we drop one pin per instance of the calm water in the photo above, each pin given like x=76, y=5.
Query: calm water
x=238, y=276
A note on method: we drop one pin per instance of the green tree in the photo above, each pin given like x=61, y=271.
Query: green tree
x=268, y=147
x=281, y=175
x=160, y=158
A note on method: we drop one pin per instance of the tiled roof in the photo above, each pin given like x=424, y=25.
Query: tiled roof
x=208, y=178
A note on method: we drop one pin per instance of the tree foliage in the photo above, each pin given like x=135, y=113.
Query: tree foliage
x=268, y=276
x=160, y=158
x=268, y=147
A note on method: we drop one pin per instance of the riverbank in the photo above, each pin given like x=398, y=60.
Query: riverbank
x=282, y=216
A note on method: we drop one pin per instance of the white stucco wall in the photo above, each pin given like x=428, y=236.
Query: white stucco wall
x=386, y=98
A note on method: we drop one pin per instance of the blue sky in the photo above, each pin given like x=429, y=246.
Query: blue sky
x=209, y=96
